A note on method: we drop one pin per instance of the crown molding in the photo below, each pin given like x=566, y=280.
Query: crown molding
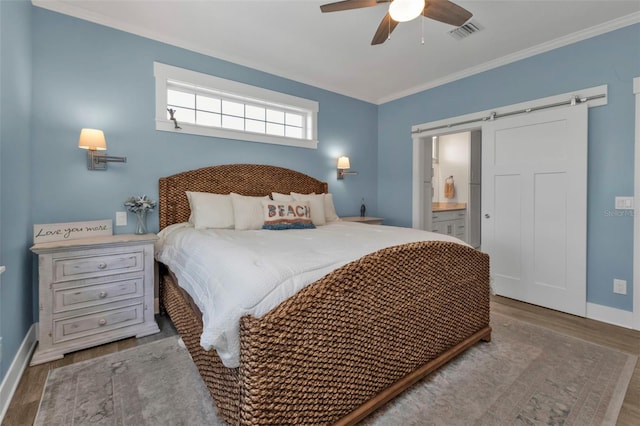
x=597, y=30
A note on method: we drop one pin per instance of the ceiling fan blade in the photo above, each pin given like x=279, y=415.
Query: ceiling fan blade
x=447, y=12
x=385, y=28
x=349, y=4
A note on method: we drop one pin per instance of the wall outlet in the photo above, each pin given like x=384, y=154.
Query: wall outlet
x=619, y=286
x=121, y=218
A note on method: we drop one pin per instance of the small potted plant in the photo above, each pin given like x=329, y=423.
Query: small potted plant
x=140, y=206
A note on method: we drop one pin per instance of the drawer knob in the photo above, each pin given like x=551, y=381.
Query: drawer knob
x=103, y=294
x=102, y=265
x=102, y=322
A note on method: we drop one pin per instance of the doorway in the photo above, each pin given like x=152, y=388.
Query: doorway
x=575, y=256
x=455, y=185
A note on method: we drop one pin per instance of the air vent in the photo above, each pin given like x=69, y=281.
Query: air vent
x=466, y=30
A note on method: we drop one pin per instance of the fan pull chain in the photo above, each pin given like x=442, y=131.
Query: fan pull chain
x=422, y=22
x=389, y=28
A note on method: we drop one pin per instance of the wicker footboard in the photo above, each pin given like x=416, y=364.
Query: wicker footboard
x=349, y=337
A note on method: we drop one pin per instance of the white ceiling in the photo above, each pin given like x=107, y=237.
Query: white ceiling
x=293, y=39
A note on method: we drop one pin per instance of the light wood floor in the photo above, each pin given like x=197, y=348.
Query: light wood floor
x=24, y=405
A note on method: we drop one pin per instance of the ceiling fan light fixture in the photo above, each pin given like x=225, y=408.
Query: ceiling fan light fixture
x=405, y=10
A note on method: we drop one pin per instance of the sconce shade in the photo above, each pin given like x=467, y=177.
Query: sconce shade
x=343, y=163
x=94, y=142
x=92, y=139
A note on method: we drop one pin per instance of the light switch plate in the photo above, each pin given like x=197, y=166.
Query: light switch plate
x=624, y=203
x=619, y=286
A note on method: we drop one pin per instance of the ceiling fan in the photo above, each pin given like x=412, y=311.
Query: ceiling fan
x=405, y=10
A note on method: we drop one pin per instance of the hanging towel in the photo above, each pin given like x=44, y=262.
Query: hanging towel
x=449, y=188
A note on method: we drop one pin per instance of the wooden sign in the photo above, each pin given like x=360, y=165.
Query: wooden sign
x=71, y=231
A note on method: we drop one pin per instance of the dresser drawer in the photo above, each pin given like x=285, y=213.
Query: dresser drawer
x=68, y=298
x=448, y=215
x=80, y=267
x=95, y=323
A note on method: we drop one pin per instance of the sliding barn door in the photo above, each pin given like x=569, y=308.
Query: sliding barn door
x=534, y=207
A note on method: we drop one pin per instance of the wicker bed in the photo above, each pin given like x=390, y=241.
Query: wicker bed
x=348, y=343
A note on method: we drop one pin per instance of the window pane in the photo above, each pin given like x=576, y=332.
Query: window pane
x=205, y=103
x=232, y=108
x=254, y=112
x=182, y=99
x=293, y=132
x=230, y=122
x=254, y=126
x=211, y=106
x=275, y=129
x=275, y=116
x=182, y=115
x=209, y=119
x=294, y=119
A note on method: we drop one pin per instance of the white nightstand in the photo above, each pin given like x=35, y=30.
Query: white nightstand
x=93, y=291
x=366, y=219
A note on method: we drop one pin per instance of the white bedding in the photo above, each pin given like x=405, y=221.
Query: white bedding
x=231, y=273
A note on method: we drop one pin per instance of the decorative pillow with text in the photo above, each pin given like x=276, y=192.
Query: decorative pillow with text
x=287, y=215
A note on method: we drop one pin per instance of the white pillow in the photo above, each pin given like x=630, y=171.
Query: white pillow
x=330, y=214
x=316, y=204
x=247, y=211
x=210, y=210
x=281, y=197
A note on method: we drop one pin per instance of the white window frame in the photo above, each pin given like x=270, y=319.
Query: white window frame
x=232, y=89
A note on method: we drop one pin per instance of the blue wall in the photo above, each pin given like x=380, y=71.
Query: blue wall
x=87, y=75
x=16, y=296
x=612, y=59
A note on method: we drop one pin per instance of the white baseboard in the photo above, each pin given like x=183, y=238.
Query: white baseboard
x=14, y=373
x=610, y=315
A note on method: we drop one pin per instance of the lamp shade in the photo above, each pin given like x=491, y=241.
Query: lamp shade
x=343, y=163
x=405, y=10
x=92, y=139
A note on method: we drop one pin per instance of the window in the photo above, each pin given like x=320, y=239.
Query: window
x=211, y=106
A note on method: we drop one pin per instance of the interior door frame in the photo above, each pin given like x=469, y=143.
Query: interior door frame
x=636, y=216
x=422, y=133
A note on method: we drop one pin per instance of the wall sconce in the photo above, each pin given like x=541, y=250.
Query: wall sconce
x=93, y=140
x=343, y=164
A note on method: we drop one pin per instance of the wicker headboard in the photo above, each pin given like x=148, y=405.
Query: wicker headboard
x=245, y=179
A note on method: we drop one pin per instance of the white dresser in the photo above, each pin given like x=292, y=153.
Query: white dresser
x=93, y=291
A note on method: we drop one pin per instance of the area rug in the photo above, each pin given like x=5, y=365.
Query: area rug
x=527, y=375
